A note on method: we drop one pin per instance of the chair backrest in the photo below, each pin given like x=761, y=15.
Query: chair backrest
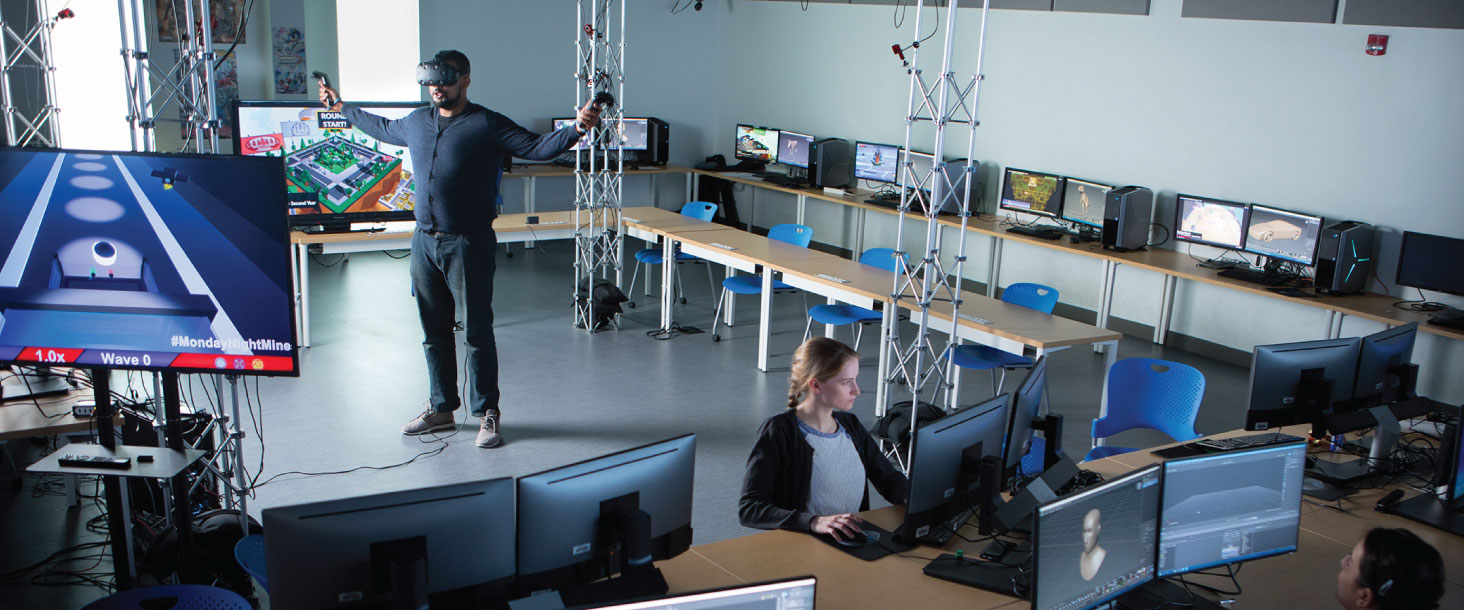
x=884, y=258
x=1150, y=393
x=700, y=210
x=797, y=235
x=1032, y=296
x=190, y=597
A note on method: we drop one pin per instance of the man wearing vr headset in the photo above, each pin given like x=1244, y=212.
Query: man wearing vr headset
x=457, y=150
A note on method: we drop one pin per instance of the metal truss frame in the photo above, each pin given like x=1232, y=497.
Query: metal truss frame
x=600, y=170
x=187, y=84
x=32, y=51
x=920, y=365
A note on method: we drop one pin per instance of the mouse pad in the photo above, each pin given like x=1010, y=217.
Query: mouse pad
x=881, y=543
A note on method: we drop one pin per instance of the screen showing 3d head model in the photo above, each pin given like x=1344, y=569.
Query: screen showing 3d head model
x=145, y=261
x=348, y=171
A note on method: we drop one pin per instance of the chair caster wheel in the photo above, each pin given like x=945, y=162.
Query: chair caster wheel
x=508, y=254
x=716, y=338
x=630, y=304
x=683, y=300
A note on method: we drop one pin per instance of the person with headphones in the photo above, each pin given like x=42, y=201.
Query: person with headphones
x=457, y=150
x=1391, y=569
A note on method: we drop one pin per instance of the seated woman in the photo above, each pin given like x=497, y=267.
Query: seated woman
x=807, y=471
x=1391, y=569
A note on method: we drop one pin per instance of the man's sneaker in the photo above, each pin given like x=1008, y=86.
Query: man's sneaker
x=428, y=421
x=488, y=435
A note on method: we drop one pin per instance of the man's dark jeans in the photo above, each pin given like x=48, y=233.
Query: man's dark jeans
x=453, y=273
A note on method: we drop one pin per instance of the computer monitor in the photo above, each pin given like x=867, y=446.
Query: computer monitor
x=946, y=468
x=787, y=594
x=334, y=172
x=1083, y=202
x=876, y=162
x=635, y=137
x=1292, y=383
x=160, y=262
x=758, y=144
x=381, y=547
x=1431, y=262
x=1092, y=546
x=1230, y=507
x=1212, y=222
x=919, y=177
x=793, y=148
x=1031, y=192
x=1385, y=369
x=1026, y=403
x=572, y=517
x=1279, y=234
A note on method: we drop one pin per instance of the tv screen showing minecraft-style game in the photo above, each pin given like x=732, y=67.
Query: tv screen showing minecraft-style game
x=331, y=167
x=633, y=137
x=145, y=261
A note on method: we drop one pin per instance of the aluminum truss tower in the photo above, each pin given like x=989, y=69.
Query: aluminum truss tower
x=31, y=53
x=924, y=279
x=599, y=170
x=187, y=84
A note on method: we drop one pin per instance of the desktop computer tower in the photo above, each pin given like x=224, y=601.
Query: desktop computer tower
x=1345, y=257
x=831, y=163
x=658, y=142
x=1126, y=217
x=956, y=170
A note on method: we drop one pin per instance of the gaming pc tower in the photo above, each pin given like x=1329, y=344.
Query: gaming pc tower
x=1345, y=257
x=831, y=163
x=1126, y=218
x=658, y=142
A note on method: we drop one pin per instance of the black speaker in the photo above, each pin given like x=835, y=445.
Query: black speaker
x=1126, y=217
x=831, y=163
x=1345, y=257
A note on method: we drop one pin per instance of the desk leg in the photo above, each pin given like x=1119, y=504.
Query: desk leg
x=655, y=190
x=993, y=275
x=1166, y=309
x=303, y=255
x=1334, y=324
x=668, y=265
x=119, y=518
x=764, y=317
x=802, y=204
x=751, y=207
x=1105, y=296
x=881, y=395
x=729, y=313
x=1110, y=356
x=829, y=328
x=691, y=193
x=860, y=215
x=529, y=192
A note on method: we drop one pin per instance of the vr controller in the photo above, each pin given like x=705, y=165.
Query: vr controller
x=324, y=80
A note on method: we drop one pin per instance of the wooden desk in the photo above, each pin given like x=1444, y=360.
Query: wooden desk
x=21, y=418
x=652, y=224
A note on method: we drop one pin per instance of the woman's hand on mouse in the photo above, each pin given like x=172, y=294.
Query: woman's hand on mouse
x=841, y=527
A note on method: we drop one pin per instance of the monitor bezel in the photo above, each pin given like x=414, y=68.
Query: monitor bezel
x=1398, y=275
x=1381, y=344
x=555, y=125
x=1101, y=487
x=1060, y=191
x=964, y=415
x=809, y=148
x=736, y=154
x=1316, y=243
x=1159, y=533
x=1245, y=214
x=658, y=602
x=1068, y=180
x=854, y=162
x=1012, y=462
x=1286, y=415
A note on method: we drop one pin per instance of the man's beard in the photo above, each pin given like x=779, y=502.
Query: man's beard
x=445, y=102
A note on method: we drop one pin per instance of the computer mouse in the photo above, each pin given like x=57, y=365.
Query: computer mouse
x=858, y=539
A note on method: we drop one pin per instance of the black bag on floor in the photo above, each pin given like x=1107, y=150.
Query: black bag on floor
x=894, y=425
x=607, y=298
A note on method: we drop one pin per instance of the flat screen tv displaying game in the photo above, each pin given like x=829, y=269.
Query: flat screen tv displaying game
x=756, y=144
x=334, y=172
x=635, y=136
x=1032, y=192
x=876, y=162
x=145, y=261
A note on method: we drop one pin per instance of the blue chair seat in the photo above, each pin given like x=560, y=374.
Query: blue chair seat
x=249, y=552
x=1149, y=393
x=1033, y=462
x=654, y=256
x=1103, y=451
x=982, y=357
x=174, y=597
x=842, y=314
x=751, y=284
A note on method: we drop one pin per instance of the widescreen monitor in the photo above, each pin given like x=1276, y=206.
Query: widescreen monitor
x=1031, y=192
x=944, y=466
x=1288, y=381
x=634, y=137
x=145, y=261
x=1092, y=546
x=876, y=162
x=787, y=594
x=1230, y=507
x=1212, y=222
x=1083, y=202
x=1381, y=365
x=563, y=513
x=1431, y=262
x=333, y=170
x=758, y=144
x=793, y=148
x=331, y=554
x=1026, y=403
x=1277, y=233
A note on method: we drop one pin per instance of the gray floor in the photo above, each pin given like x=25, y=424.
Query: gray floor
x=567, y=396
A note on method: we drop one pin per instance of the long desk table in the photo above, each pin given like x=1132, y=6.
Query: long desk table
x=1305, y=579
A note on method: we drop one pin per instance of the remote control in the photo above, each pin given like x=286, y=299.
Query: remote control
x=96, y=461
x=832, y=278
x=970, y=318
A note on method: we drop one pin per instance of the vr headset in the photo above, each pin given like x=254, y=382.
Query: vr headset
x=437, y=72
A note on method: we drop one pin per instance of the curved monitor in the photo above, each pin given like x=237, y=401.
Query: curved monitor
x=1288, y=380
x=563, y=513
x=145, y=261
x=334, y=172
x=1212, y=222
x=1031, y=192
x=1083, y=202
x=1277, y=233
x=1092, y=546
x=943, y=467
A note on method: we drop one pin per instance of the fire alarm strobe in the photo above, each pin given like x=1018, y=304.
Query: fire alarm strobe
x=1377, y=44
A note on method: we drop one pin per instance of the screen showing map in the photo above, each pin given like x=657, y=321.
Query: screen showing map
x=876, y=162
x=331, y=167
x=1032, y=192
x=757, y=144
x=1212, y=222
x=1083, y=201
x=1281, y=234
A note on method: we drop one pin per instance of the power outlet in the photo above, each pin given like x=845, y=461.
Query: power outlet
x=84, y=408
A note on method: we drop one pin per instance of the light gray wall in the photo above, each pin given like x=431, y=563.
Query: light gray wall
x=255, y=69
x=1292, y=115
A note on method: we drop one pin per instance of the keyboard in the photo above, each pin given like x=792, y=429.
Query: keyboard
x=941, y=533
x=1456, y=322
x=782, y=180
x=1246, y=442
x=1253, y=276
x=1038, y=232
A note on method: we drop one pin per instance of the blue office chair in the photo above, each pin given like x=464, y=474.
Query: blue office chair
x=249, y=552
x=985, y=357
x=699, y=210
x=182, y=597
x=797, y=235
x=839, y=315
x=1149, y=393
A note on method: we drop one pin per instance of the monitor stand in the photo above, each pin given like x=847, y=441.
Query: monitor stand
x=1385, y=437
x=1164, y=593
x=1430, y=510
